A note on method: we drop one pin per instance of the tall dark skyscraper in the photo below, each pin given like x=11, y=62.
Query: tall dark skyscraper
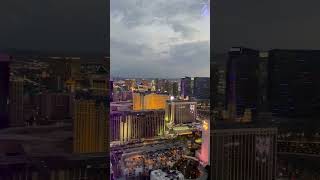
x=4, y=90
x=201, y=88
x=294, y=86
x=175, y=88
x=242, y=81
x=186, y=86
x=281, y=81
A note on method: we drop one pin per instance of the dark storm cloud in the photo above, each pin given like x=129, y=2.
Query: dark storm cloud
x=159, y=38
x=266, y=24
x=54, y=25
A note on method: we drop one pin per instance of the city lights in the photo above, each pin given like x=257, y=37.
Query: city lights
x=205, y=125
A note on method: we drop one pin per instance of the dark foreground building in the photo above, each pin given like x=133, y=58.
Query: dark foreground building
x=4, y=90
x=243, y=154
x=89, y=166
x=45, y=153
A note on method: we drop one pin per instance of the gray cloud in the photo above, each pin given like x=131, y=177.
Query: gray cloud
x=159, y=38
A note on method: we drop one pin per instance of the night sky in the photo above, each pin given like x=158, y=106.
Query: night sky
x=159, y=38
x=266, y=24
x=54, y=25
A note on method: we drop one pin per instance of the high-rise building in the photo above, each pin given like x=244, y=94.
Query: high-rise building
x=133, y=125
x=168, y=87
x=16, y=103
x=294, y=88
x=242, y=154
x=218, y=81
x=242, y=82
x=201, y=88
x=145, y=101
x=90, y=130
x=186, y=87
x=175, y=89
x=180, y=112
x=4, y=90
x=281, y=81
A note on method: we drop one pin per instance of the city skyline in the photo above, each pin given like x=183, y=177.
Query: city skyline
x=170, y=39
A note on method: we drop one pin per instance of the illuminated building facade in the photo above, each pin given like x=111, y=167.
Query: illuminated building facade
x=242, y=154
x=148, y=101
x=180, y=112
x=16, y=103
x=90, y=125
x=4, y=90
x=132, y=125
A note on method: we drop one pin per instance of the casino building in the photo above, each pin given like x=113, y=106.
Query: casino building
x=133, y=125
x=242, y=154
x=180, y=112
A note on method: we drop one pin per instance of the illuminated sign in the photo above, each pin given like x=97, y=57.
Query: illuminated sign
x=192, y=107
